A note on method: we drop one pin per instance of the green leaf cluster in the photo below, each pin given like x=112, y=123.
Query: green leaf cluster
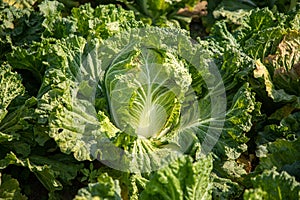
x=105, y=102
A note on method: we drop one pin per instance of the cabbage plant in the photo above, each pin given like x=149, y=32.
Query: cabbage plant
x=133, y=103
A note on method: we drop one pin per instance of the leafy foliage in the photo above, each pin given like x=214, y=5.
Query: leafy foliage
x=272, y=184
x=100, y=102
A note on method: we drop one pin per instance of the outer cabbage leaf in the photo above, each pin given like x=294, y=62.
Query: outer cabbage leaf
x=267, y=37
x=43, y=173
x=182, y=179
x=259, y=36
x=32, y=63
x=64, y=168
x=273, y=185
x=258, y=33
x=225, y=188
x=231, y=142
x=59, y=107
x=18, y=127
x=100, y=22
x=284, y=6
x=104, y=21
x=11, y=86
x=277, y=78
x=242, y=109
x=234, y=65
x=51, y=171
x=162, y=12
x=55, y=25
x=282, y=154
x=259, y=19
x=239, y=120
x=261, y=33
x=233, y=11
x=223, y=38
x=288, y=128
x=278, y=101
x=293, y=123
x=106, y=188
x=286, y=63
x=21, y=4
x=278, y=95
x=264, y=42
x=9, y=188
x=19, y=26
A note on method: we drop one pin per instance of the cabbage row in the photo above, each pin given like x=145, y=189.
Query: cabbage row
x=122, y=101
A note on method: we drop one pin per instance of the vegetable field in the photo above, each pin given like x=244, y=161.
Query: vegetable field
x=153, y=99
